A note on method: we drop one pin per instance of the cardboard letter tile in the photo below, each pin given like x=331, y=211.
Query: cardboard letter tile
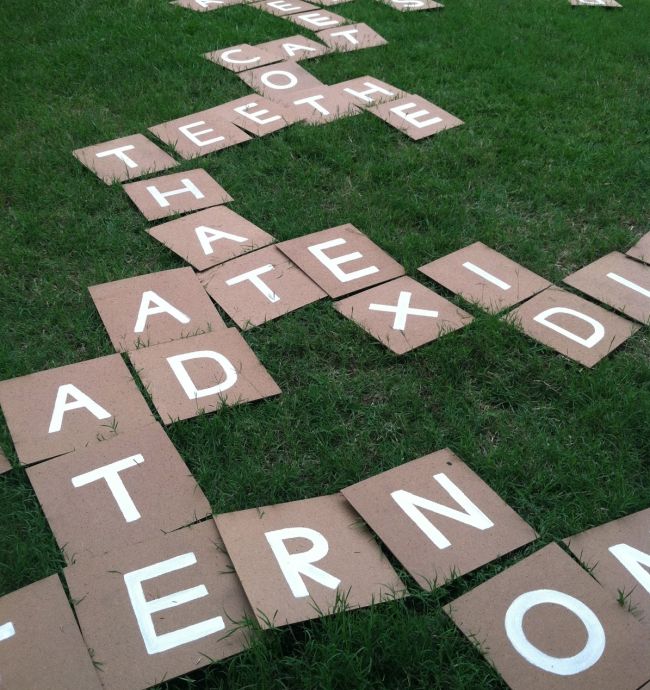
x=199, y=134
x=124, y=159
x=281, y=8
x=179, y=193
x=210, y=237
x=259, y=287
x=299, y=560
x=595, y=3
x=617, y=281
x=5, y=465
x=618, y=556
x=367, y=91
x=341, y=260
x=351, y=37
x=438, y=518
x=546, y=624
x=257, y=114
x=201, y=5
x=155, y=308
x=320, y=105
x=188, y=377
x=283, y=77
x=641, y=250
x=242, y=57
x=416, y=117
x=56, y=411
x=41, y=647
x=414, y=5
x=572, y=326
x=331, y=3
x=124, y=491
x=317, y=20
x=160, y=609
x=403, y=314
x=484, y=277
x=295, y=48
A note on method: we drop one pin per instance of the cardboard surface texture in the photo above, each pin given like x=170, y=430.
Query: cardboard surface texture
x=403, y=314
x=174, y=606
x=617, y=281
x=155, y=308
x=281, y=8
x=545, y=624
x=415, y=117
x=438, y=518
x=186, y=378
x=367, y=91
x=295, y=48
x=199, y=134
x=485, y=277
x=124, y=159
x=124, y=491
x=351, y=37
x=641, y=250
x=257, y=115
x=341, y=260
x=283, y=77
x=617, y=554
x=206, y=5
x=572, y=326
x=210, y=237
x=320, y=105
x=414, y=5
x=317, y=20
x=259, y=287
x=179, y=193
x=56, y=411
x=41, y=647
x=303, y=559
x=241, y=57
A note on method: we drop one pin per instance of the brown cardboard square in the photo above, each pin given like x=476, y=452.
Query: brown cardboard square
x=402, y=314
x=5, y=465
x=259, y=287
x=617, y=281
x=439, y=518
x=188, y=377
x=416, y=117
x=124, y=491
x=341, y=260
x=56, y=411
x=351, y=37
x=299, y=560
x=367, y=91
x=281, y=8
x=124, y=159
x=414, y=5
x=331, y=3
x=485, y=277
x=572, y=326
x=160, y=609
x=200, y=5
x=179, y=193
x=241, y=57
x=317, y=20
x=641, y=250
x=41, y=647
x=210, y=237
x=617, y=554
x=283, y=77
x=545, y=624
x=155, y=308
x=257, y=115
x=199, y=134
x=595, y=3
x=320, y=105
x=295, y=47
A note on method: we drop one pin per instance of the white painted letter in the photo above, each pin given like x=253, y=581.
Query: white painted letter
x=207, y=236
x=633, y=561
x=333, y=264
x=225, y=56
x=482, y=273
x=294, y=565
x=317, y=19
x=253, y=277
x=410, y=504
x=111, y=473
x=162, y=307
x=349, y=35
x=594, y=339
x=194, y=136
x=258, y=115
x=291, y=80
x=366, y=95
x=402, y=310
x=61, y=406
x=560, y=666
x=629, y=284
x=188, y=187
x=292, y=48
x=192, y=392
x=7, y=630
x=144, y=609
x=119, y=153
x=313, y=102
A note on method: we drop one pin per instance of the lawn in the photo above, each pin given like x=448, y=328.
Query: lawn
x=551, y=168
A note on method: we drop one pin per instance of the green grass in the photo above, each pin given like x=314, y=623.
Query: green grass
x=551, y=168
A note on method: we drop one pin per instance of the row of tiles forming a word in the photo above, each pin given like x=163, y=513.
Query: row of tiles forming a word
x=284, y=6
